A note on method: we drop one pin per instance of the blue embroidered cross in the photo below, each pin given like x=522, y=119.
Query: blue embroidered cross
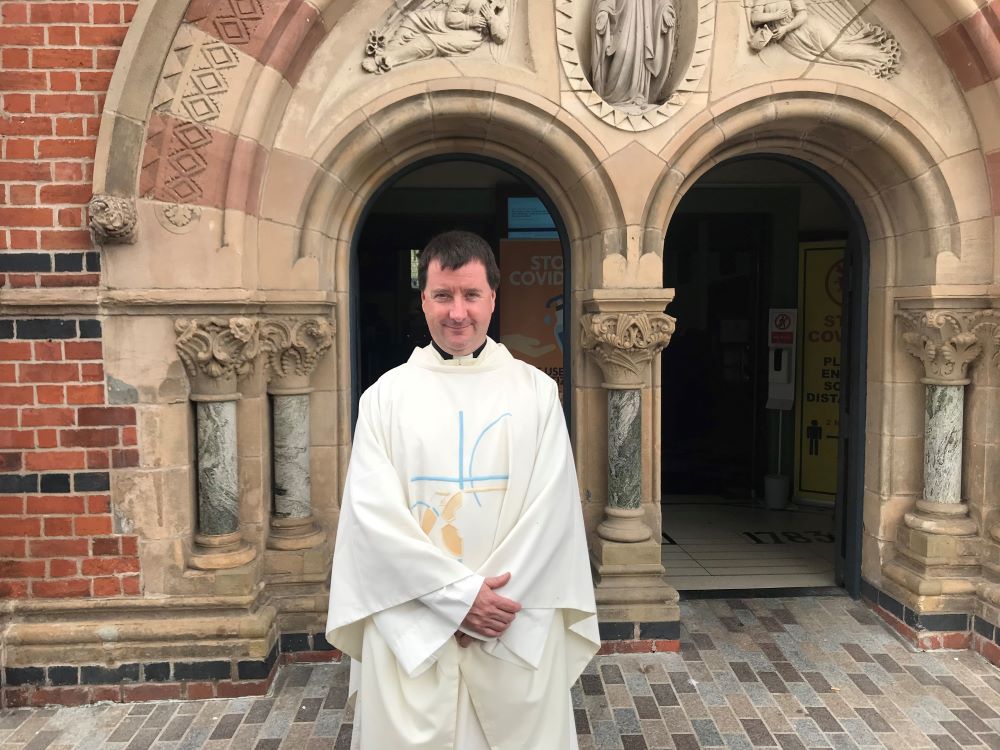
x=467, y=478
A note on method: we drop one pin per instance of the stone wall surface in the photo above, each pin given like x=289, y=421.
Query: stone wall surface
x=204, y=176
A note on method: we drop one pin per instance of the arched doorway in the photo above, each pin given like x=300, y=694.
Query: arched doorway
x=764, y=381
x=480, y=195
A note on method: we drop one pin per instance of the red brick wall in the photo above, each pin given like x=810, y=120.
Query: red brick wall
x=59, y=436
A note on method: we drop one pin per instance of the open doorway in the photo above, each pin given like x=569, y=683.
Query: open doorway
x=763, y=382
x=490, y=199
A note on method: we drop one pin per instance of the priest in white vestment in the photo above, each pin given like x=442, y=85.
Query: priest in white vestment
x=461, y=584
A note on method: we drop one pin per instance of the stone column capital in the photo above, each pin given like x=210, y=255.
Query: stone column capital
x=625, y=343
x=947, y=340
x=113, y=220
x=293, y=347
x=216, y=352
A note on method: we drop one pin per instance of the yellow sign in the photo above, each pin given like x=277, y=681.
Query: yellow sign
x=817, y=408
x=531, y=303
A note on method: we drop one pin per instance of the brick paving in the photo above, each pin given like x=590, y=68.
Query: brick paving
x=787, y=673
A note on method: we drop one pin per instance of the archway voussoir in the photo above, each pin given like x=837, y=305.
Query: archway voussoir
x=140, y=61
x=460, y=111
x=286, y=184
x=878, y=165
x=749, y=119
x=812, y=88
x=583, y=192
x=584, y=135
x=694, y=152
x=119, y=150
x=746, y=95
x=975, y=263
x=868, y=146
x=527, y=96
x=911, y=125
x=904, y=206
x=280, y=266
x=966, y=178
x=407, y=121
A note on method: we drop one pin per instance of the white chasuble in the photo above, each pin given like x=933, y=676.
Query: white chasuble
x=462, y=470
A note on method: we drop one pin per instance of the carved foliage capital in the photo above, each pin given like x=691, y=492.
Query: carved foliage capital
x=947, y=341
x=113, y=220
x=217, y=351
x=293, y=346
x=624, y=343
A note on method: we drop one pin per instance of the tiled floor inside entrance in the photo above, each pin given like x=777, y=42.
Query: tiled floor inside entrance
x=711, y=543
x=789, y=673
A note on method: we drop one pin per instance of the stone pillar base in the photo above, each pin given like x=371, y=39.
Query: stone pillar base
x=991, y=566
x=624, y=525
x=220, y=551
x=949, y=519
x=938, y=553
x=922, y=586
x=295, y=533
x=630, y=586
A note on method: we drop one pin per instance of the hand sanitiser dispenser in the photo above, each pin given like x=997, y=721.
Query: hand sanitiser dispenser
x=781, y=358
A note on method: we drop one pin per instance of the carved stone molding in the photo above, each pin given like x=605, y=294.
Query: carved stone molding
x=947, y=341
x=216, y=352
x=624, y=343
x=687, y=30
x=113, y=220
x=293, y=347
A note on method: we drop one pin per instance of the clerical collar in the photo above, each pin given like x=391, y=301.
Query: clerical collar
x=446, y=355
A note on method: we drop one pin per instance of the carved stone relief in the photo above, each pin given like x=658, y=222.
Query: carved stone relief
x=112, y=219
x=630, y=70
x=194, y=100
x=634, y=62
x=293, y=346
x=624, y=344
x=175, y=160
x=217, y=351
x=947, y=341
x=424, y=29
x=824, y=31
x=196, y=78
x=177, y=218
x=234, y=21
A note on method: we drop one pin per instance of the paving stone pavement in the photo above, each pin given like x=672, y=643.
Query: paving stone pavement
x=788, y=673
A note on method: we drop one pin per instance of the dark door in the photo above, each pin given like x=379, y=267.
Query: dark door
x=712, y=369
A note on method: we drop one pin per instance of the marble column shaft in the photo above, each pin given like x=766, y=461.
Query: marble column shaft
x=624, y=448
x=218, y=478
x=943, y=443
x=292, y=491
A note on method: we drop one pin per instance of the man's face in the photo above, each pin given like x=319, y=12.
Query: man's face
x=458, y=304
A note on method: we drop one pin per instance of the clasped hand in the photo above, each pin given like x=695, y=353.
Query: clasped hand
x=491, y=614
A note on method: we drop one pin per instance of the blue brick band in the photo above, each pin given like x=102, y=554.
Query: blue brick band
x=92, y=481
x=26, y=262
x=69, y=262
x=46, y=328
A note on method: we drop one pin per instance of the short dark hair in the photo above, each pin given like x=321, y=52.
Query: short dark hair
x=453, y=250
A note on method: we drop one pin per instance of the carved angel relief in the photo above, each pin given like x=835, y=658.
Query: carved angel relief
x=424, y=29
x=634, y=62
x=825, y=31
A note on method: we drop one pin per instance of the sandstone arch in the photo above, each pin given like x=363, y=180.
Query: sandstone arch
x=901, y=180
